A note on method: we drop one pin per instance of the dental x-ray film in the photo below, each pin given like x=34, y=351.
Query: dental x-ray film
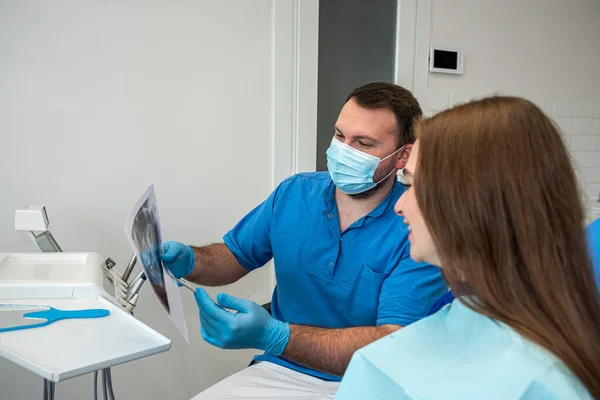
x=144, y=234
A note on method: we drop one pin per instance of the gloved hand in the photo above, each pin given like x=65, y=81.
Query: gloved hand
x=178, y=258
x=250, y=328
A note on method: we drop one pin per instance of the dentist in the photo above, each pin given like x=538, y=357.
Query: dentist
x=342, y=260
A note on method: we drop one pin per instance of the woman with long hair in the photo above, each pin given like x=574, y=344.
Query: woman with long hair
x=495, y=203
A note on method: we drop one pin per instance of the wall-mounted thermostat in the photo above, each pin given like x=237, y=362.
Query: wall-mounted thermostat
x=446, y=61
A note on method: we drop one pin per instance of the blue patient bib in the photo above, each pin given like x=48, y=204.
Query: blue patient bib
x=457, y=354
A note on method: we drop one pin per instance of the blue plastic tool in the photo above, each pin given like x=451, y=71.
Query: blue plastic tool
x=50, y=315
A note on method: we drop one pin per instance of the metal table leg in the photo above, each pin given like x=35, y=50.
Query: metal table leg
x=107, y=389
x=109, y=384
x=48, y=390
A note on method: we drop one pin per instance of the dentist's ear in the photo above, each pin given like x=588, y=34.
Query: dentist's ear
x=404, y=154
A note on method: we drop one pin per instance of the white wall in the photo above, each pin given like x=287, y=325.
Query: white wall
x=545, y=50
x=99, y=99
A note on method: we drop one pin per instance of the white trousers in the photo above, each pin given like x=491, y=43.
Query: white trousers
x=266, y=380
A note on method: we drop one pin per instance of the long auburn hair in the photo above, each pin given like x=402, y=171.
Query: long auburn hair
x=497, y=190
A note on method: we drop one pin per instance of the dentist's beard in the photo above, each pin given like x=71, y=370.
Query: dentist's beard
x=371, y=192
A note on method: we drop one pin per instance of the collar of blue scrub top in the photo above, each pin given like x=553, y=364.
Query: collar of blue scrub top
x=328, y=194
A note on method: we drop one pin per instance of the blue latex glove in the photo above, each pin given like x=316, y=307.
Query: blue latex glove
x=178, y=258
x=252, y=327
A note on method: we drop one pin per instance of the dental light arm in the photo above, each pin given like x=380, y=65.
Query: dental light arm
x=34, y=220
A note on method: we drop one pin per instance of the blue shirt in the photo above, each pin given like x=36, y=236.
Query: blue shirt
x=326, y=278
x=457, y=354
x=593, y=236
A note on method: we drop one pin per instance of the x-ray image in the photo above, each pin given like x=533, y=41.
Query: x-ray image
x=144, y=233
x=147, y=238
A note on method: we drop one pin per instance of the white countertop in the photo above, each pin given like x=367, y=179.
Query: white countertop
x=71, y=347
x=68, y=348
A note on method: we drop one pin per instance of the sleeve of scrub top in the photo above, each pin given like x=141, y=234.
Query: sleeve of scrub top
x=250, y=239
x=408, y=292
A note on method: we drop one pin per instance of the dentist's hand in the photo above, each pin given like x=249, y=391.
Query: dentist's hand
x=250, y=328
x=178, y=258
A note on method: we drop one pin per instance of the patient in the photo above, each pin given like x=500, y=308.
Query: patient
x=494, y=202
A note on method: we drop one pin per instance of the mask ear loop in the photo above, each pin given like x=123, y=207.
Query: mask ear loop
x=400, y=149
x=383, y=159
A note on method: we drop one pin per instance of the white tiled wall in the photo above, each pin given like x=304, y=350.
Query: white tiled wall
x=579, y=122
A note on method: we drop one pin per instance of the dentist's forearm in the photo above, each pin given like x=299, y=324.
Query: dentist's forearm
x=215, y=265
x=330, y=350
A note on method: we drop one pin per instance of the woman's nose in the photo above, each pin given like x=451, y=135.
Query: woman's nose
x=398, y=206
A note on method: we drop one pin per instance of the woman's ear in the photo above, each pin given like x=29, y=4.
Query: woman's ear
x=404, y=154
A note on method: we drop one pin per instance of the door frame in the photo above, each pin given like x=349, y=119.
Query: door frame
x=413, y=25
x=295, y=69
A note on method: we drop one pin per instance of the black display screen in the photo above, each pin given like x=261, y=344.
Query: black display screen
x=445, y=59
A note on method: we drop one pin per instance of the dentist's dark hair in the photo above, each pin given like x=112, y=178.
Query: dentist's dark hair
x=499, y=195
x=400, y=101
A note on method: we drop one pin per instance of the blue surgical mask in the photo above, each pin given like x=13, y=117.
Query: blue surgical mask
x=352, y=170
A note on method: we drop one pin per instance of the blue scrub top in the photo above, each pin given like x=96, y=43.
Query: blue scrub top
x=363, y=276
x=457, y=354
